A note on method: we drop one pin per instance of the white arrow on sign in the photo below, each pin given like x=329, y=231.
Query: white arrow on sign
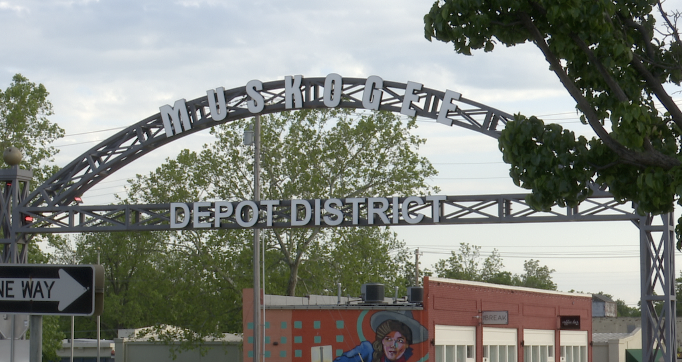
x=64, y=290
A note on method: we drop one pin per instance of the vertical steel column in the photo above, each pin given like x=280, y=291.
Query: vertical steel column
x=14, y=188
x=657, y=267
x=256, y=245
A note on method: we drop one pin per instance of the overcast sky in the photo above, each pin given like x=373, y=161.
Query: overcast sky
x=110, y=64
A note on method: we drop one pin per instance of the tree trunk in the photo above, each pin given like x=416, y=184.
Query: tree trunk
x=293, y=277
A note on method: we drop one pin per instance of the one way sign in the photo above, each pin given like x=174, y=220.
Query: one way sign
x=49, y=289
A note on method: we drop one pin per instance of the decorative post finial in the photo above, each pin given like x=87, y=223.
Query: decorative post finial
x=12, y=156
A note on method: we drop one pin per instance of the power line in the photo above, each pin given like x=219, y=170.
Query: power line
x=91, y=132
x=467, y=163
x=76, y=144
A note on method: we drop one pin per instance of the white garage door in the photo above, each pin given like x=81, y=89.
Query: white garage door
x=499, y=344
x=573, y=346
x=455, y=344
x=538, y=345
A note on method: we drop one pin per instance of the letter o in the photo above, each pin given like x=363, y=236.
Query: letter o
x=238, y=214
x=332, y=100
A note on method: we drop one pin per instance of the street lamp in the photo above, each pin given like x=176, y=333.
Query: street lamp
x=252, y=136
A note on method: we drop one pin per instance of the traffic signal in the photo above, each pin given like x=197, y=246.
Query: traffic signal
x=26, y=219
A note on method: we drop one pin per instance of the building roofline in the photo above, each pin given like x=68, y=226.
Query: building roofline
x=507, y=287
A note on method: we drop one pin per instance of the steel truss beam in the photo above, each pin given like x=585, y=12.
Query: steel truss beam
x=657, y=267
x=14, y=187
x=481, y=209
x=145, y=136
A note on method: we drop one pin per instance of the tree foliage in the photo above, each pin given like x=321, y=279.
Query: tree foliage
x=625, y=310
x=305, y=155
x=193, y=279
x=536, y=276
x=466, y=265
x=24, y=109
x=618, y=62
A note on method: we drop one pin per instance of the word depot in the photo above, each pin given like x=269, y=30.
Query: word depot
x=317, y=212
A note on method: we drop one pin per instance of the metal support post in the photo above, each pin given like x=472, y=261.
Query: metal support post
x=99, y=336
x=72, y=337
x=14, y=187
x=256, y=246
x=36, y=340
x=657, y=265
x=416, y=267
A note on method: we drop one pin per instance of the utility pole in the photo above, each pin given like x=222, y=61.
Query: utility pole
x=416, y=266
x=253, y=137
x=99, y=359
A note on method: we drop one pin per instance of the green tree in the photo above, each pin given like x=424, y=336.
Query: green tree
x=466, y=265
x=24, y=109
x=678, y=291
x=618, y=64
x=332, y=153
x=536, y=276
x=306, y=154
x=132, y=263
x=355, y=256
x=626, y=311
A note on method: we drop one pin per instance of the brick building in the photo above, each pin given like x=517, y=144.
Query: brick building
x=446, y=321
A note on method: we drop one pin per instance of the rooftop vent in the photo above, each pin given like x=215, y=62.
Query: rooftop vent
x=415, y=294
x=372, y=293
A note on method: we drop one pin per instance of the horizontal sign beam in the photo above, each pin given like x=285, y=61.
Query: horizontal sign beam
x=375, y=211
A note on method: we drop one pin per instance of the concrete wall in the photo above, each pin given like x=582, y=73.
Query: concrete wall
x=614, y=349
x=615, y=325
x=21, y=350
x=626, y=325
x=600, y=352
x=142, y=351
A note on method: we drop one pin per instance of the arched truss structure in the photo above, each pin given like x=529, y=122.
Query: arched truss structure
x=53, y=209
x=145, y=136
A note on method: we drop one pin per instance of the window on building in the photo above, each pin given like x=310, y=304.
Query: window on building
x=573, y=354
x=454, y=353
x=499, y=353
x=543, y=353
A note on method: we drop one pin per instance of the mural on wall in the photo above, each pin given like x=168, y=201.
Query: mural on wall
x=395, y=333
x=341, y=334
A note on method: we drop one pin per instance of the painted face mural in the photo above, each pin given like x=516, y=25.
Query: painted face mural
x=394, y=345
x=395, y=332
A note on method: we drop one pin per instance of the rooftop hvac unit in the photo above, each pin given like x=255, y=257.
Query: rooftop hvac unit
x=415, y=294
x=372, y=293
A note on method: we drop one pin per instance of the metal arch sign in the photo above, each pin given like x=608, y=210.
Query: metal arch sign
x=53, y=209
x=221, y=106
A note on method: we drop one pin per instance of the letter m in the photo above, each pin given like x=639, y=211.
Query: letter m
x=175, y=118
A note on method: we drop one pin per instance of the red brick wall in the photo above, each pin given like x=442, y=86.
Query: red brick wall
x=461, y=304
x=291, y=333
